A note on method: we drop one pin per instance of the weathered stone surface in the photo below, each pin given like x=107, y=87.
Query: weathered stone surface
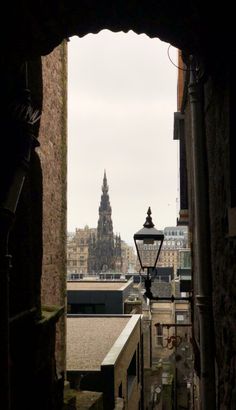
x=53, y=155
x=223, y=247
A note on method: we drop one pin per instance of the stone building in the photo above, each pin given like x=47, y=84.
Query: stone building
x=33, y=185
x=104, y=248
x=129, y=258
x=78, y=251
x=78, y=245
x=175, y=243
x=175, y=251
x=172, y=350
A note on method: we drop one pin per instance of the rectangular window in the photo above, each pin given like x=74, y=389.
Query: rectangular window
x=88, y=309
x=181, y=316
x=159, y=335
x=120, y=392
x=131, y=374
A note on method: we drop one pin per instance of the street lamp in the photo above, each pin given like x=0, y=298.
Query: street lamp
x=148, y=242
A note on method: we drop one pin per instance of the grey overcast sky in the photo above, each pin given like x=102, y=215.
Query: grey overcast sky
x=122, y=93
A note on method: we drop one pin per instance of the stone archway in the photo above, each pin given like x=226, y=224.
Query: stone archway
x=32, y=31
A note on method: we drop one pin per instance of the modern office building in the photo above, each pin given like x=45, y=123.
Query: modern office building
x=98, y=297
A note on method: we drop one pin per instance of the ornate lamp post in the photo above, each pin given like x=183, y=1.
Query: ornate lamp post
x=148, y=242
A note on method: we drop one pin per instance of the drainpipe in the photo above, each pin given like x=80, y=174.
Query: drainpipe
x=202, y=246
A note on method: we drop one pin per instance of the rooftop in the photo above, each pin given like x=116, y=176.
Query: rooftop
x=97, y=285
x=91, y=338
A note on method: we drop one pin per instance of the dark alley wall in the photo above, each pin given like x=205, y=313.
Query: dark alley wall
x=223, y=242
x=222, y=246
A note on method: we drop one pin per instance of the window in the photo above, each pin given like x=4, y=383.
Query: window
x=131, y=374
x=179, y=318
x=120, y=391
x=159, y=335
x=86, y=309
x=74, y=276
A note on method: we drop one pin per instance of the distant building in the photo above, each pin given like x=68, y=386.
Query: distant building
x=129, y=258
x=104, y=354
x=179, y=233
x=77, y=251
x=171, y=345
x=98, y=297
x=97, y=250
x=175, y=249
x=105, y=248
x=164, y=274
x=78, y=256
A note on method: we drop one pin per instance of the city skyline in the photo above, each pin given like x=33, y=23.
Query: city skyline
x=121, y=100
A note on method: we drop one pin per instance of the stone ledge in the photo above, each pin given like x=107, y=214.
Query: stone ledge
x=51, y=313
x=82, y=400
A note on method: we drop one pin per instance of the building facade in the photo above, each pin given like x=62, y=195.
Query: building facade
x=175, y=247
x=98, y=297
x=78, y=257
x=129, y=258
x=78, y=251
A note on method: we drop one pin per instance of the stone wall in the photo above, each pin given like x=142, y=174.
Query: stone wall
x=216, y=110
x=53, y=155
x=223, y=245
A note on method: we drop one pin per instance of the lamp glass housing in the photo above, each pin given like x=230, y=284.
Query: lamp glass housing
x=148, y=243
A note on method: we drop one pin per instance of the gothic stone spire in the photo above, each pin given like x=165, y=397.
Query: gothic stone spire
x=104, y=252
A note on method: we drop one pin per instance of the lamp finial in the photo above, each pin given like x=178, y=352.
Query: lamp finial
x=148, y=223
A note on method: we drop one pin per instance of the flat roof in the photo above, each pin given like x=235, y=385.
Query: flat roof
x=91, y=338
x=97, y=285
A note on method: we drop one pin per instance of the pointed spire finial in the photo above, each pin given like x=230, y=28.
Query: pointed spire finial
x=148, y=223
x=105, y=186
